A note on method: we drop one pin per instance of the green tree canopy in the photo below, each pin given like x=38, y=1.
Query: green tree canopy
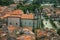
x=6, y=2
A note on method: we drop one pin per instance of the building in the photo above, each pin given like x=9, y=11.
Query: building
x=19, y=19
x=2, y=35
x=2, y=9
x=56, y=14
x=14, y=20
x=47, y=4
x=18, y=1
x=26, y=37
x=12, y=30
x=13, y=6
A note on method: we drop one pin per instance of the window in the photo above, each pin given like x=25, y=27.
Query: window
x=10, y=23
x=29, y=23
x=16, y=23
x=25, y=22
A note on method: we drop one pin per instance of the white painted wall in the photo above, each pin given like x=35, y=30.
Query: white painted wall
x=24, y=22
x=13, y=21
x=29, y=23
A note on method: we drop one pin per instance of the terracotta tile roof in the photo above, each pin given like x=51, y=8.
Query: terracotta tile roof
x=6, y=15
x=47, y=9
x=49, y=14
x=17, y=12
x=13, y=5
x=29, y=28
x=2, y=8
x=11, y=28
x=14, y=16
x=27, y=16
x=41, y=33
x=8, y=12
x=2, y=33
x=26, y=37
x=23, y=16
x=57, y=11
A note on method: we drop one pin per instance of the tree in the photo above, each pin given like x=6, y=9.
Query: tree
x=6, y=2
x=30, y=7
x=53, y=24
x=58, y=31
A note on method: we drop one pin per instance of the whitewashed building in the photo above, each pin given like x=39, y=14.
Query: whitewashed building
x=19, y=19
